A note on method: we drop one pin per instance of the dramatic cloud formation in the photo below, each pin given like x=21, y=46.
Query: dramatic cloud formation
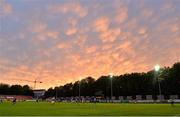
x=57, y=41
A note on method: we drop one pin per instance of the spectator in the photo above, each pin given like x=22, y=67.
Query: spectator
x=14, y=101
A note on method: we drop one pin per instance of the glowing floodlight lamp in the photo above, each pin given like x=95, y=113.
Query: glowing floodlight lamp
x=111, y=75
x=157, y=67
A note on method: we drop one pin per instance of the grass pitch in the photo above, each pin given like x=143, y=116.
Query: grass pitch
x=103, y=109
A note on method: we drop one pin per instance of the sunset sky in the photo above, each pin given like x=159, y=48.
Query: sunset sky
x=60, y=41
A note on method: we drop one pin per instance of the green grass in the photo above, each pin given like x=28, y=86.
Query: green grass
x=48, y=109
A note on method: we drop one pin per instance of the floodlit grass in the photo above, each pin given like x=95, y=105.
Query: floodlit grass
x=48, y=109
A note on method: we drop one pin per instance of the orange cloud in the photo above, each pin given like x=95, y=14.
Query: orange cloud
x=91, y=50
x=52, y=34
x=71, y=31
x=142, y=31
x=62, y=45
x=106, y=46
x=80, y=40
x=101, y=24
x=174, y=28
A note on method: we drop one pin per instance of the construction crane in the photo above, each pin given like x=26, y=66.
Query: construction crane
x=35, y=83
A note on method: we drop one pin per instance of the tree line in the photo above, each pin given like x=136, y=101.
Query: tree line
x=6, y=89
x=122, y=85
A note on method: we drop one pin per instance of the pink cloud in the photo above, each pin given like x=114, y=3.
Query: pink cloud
x=91, y=49
x=71, y=31
x=52, y=34
x=72, y=21
x=142, y=31
x=174, y=28
x=106, y=46
x=110, y=35
x=5, y=8
x=75, y=8
x=101, y=24
x=80, y=40
x=41, y=32
x=122, y=15
x=62, y=46
x=126, y=48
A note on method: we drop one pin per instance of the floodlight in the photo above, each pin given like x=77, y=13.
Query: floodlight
x=157, y=67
